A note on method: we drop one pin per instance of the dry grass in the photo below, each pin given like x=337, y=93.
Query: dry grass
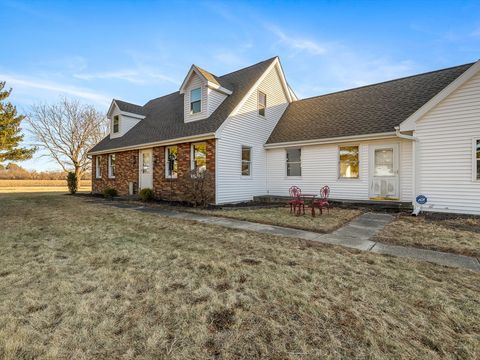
x=281, y=216
x=19, y=186
x=456, y=235
x=81, y=280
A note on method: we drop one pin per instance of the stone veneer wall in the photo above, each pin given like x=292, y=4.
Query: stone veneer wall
x=126, y=168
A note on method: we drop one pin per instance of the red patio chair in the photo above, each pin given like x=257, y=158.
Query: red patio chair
x=322, y=202
x=295, y=200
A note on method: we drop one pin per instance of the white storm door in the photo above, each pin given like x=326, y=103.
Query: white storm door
x=146, y=169
x=384, y=179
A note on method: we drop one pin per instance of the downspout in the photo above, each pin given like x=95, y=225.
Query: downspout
x=414, y=139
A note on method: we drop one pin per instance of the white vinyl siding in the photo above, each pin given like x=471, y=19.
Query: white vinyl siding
x=245, y=127
x=320, y=166
x=124, y=125
x=445, y=167
x=214, y=99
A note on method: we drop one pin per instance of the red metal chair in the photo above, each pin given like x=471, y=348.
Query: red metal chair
x=323, y=201
x=295, y=200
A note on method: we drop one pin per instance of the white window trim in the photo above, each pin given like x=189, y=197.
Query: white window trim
x=293, y=162
x=192, y=154
x=98, y=167
x=249, y=176
x=474, y=159
x=113, y=124
x=166, y=162
x=190, y=98
x=339, y=177
x=110, y=166
x=258, y=104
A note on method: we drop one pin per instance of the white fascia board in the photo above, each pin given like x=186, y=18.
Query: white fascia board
x=218, y=88
x=110, y=109
x=409, y=124
x=189, y=74
x=126, y=113
x=157, y=143
x=335, y=140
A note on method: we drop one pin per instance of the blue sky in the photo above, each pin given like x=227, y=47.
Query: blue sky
x=140, y=50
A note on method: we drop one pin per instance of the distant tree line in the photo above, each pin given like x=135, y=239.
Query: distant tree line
x=12, y=171
x=65, y=131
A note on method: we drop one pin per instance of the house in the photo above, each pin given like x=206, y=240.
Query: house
x=393, y=140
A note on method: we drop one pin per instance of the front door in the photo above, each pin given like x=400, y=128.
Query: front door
x=146, y=169
x=384, y=180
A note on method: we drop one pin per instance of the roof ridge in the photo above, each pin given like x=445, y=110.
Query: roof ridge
x=385, y=82
x=250, y=66
x=126, y=102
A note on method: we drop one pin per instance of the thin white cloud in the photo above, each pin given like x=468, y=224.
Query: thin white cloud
x=139, y=75
x=298, y=43
x=336, y=66
x=27, y=84
x=476, y=32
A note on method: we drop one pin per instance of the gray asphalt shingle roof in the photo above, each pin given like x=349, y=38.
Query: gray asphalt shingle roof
x=164, y=115
x=369, y=109
x=129, y=107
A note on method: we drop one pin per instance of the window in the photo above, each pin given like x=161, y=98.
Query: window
x=195, y=100
x=116, y=124
x=294, y=162
x=171, y=162
x=476, y=154
x=262, y=103
x=384, y=162
x=199, y=156
x=111, y=166
x=98, y=167
x=348, y=158
x=246, y=160
x=146, y=162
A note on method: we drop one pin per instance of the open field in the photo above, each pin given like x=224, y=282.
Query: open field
x=457, y=235
x=281, y=216
x=14, y=186
x=81, y=280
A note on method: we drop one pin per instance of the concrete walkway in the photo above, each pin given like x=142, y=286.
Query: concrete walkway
x=355, y=234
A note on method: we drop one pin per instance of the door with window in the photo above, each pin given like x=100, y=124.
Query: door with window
x=384, y=177
x=146, y=169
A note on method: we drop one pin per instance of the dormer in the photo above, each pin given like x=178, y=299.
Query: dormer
x=202, y=94
x=123, y=116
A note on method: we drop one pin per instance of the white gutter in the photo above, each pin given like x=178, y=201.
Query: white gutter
x=331, y=140
x=414, y=139
x=157, y=143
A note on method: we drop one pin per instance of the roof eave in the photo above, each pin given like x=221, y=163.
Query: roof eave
x=334, y=140
x=179, y=140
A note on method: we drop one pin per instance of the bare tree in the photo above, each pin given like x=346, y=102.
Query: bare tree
x=67, y=130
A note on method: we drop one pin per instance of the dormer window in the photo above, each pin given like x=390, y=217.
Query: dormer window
x=195, y=100
x=116, y=124
x=262, y=103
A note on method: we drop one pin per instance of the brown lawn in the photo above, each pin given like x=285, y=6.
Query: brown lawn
x=82, y=280
x=281, y=216
x=457, y=235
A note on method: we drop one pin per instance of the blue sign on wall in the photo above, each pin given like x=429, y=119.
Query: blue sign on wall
x=421, y=199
